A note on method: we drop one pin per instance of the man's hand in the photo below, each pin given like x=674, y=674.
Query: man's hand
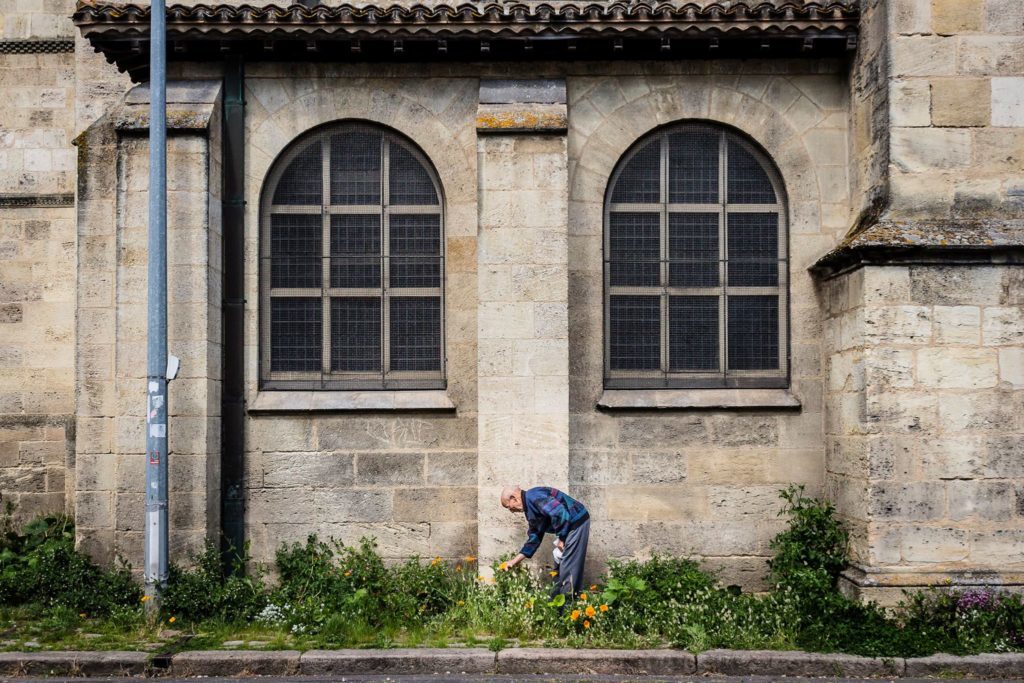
x=508, y=566
x=560, y=544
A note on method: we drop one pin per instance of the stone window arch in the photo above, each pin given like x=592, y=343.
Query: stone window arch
x=695, y=264
x=352, y=264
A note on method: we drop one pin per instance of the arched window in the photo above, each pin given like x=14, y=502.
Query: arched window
x=352, y=264
x=695, y=269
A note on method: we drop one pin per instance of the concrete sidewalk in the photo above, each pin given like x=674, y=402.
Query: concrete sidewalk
x=515, y=661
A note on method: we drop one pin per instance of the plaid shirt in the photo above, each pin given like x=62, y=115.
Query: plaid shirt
x=549, y=510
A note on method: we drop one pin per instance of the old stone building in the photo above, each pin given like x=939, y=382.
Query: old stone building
x=671, y=257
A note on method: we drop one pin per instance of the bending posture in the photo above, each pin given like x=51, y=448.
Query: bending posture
x=550, y=510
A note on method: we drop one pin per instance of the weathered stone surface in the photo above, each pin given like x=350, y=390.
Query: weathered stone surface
x=73, y=663
x=962, y=102
x=770, y=663
x=1003, y=665
x=397, y=661
x=523, y=661
x=235, y=663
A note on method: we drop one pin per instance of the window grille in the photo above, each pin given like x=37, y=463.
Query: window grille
x=695, y=265
x=352, y=265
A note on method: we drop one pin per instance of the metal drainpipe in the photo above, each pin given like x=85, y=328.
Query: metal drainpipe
x=233, y=353
x=156, y=343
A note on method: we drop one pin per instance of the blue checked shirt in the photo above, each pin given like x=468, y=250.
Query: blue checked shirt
x=549, y=510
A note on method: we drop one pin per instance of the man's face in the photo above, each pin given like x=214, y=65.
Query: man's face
x=514, y=503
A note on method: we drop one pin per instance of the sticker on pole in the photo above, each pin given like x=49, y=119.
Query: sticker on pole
x=154, y=457
x=158, y=431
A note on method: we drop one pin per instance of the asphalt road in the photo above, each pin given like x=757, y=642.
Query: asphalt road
x=490, y=678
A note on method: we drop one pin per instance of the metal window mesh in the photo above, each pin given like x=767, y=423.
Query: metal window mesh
x=639, y=181
x=693, y=332
x=352, y=262
x=635, y=332
x=693, y=249
x=695, y=273
x=300, y=183
x=753, y=332
x=748, y=181
x=415, y=333
x=295, y=330
x=693, y=167
x=295, y=241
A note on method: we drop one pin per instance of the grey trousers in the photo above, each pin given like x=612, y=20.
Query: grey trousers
x=570, y=571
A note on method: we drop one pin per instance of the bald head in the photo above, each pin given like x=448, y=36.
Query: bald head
x=512, y=498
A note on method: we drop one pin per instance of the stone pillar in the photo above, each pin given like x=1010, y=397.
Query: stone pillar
x=111, y=338
x=523, y=334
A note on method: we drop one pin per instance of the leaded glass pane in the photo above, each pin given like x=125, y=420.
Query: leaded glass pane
x=693, y=167
x=753, y=332
x=415, y=333
x=693, y=333
x=635, y=326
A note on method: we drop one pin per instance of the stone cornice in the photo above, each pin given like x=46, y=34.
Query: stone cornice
x=892, y=241
x=119, y=30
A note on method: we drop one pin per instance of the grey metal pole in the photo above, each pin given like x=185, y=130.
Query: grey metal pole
x=156, y=372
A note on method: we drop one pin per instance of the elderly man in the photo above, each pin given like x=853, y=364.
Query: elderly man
x=550, y=510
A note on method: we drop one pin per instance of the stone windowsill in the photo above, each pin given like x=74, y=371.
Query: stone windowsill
x=341, y=401
x=697, y=399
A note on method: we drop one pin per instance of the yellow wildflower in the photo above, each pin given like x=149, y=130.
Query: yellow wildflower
x=529, y=604
x=503, y=566
x=586, y=624
x=144, y=598
x=553, y=573
x=604, y=608
x=460, y=603
x=575, y=615
x=458, y=567
x=436, y=561
x=480, y=577
x=469, y=558
x=593, y=587
x=590, y=611
x=583, y=597
x=171, y=620
x=82, y=615
x=348, y=573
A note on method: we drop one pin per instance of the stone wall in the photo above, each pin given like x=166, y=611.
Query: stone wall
x=407, y=478
x=37, y=256
x=957, y=110
x=112, y=326
x=924, y=449
x=702, y=483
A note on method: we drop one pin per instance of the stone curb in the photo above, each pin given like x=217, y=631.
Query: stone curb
x=235, y=663
x=73, y=663
x=557, y=661
x=795, y=663
x=516, y=661
x=398, y=661
x=1002, y=665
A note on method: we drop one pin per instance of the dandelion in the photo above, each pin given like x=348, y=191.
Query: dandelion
x=593, y=587
x=503, y=566
x=171, y=620
x=145, y=598
x=590, y=611
x=575, y=615
x=553, y=573
x=348, y=573
x=604, y=608
x=583, y=597
x=586, y=624
x=458, y=567
x=460, y=603
x=81, y=615
x=469, y=558
x=529, y=604
x=436, y=561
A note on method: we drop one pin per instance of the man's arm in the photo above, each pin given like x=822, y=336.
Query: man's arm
x=514, y=561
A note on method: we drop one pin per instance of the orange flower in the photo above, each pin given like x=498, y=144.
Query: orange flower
x=469, y=558
x=348, y=573
x=593, y=587
x=480, y=577
x=503, y=566
x=586, y=624
x=575, y=615
x=458, y=567
x=82, y=615
x=590, y=611
x=553, y=573
x=145, y=598
x=604, y=608
x=529, y=604
x=171, y=620
x=436, y=561
x=583, y=597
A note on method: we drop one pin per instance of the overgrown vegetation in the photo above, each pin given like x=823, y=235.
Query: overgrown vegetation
x=330, y=595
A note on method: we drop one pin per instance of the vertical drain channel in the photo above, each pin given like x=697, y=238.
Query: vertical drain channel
x=233, y=311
